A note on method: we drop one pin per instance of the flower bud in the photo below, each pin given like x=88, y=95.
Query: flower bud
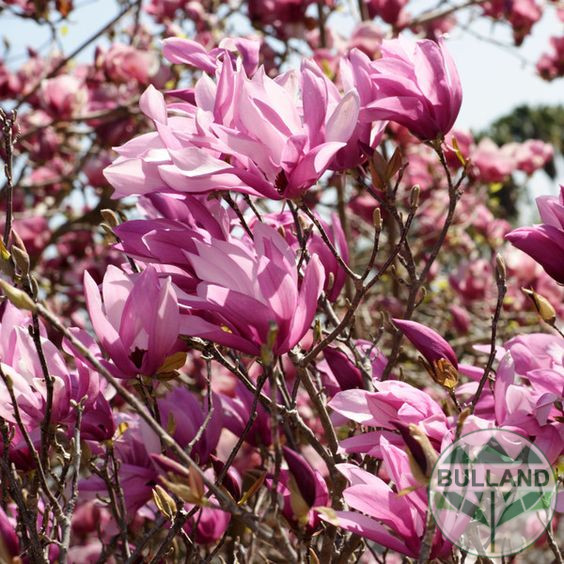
x=18, y=298
x=544, y=308
x=377, y=219
x=500, y=265
x=414, y=196
x=21, y=258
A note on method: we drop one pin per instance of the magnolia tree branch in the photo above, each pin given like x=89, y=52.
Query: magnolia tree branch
x=501, y=277
x=454, y=194
x=7, y=126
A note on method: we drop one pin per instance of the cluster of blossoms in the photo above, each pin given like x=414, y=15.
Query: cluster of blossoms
x=295, y=306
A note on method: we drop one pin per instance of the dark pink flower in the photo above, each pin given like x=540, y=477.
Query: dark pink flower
x=138, y=321
x=244, y=292
x=545, y=242
x=417, y=86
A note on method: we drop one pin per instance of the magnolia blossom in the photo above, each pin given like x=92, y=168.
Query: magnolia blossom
x=19, y=361
x=138, y=321
x=237, y=411
x=545, y=242
x=335, y=276
x=124, y=63
x=63, y=96
x=302, y=489
x=417, y=86
x=551, y=64
x=391, y=11
x=383, y=515
x=247, y=295
x=255, y=135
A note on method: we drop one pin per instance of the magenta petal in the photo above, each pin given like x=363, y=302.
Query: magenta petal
x=353, y=405
x=370, y=529
x=312, y=166
x=545, y=244
x=165, y=328
x=188, y=52
x=311, y=288
x=195, y=326
x=106, y=333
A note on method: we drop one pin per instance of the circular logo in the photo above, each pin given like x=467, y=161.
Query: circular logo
x=492, y=493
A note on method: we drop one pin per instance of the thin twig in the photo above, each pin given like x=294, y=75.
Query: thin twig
x=501, y=290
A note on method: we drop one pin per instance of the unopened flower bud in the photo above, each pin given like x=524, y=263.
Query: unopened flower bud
x=544, y=308
x=18, y=298
x=377, y=219
x=500, y=265
x=21, y=258
x=4, y=253
x=414, y=196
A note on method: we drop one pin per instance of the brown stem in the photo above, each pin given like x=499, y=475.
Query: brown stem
x=7, y=126
x=71, y=504
x=501, y=290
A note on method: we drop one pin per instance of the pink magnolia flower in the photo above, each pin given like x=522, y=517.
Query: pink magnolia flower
x=236, y=414
x=545, y=242
x=63, y=96
x=208, y=524
x=9, y=83
x=138, y=321
x=339, y=371
x=192, y=53
x=391, y=11
x=471, y=280
x=491, y=162
x=171, y=230
x=531, y=410
x=21, y=363
x=281, y=14
x=383, y=515
x=532, y=155
x=529, y=386
x=335, y=276
x=184, y=413
x=242, y=292
x=417, y=86
x=354, y=74
x=252, y=135
x=138, y=448
x=137, y=473
x=393, y=403
x=124, y=63
x=9, y=539
x=521, y=14
x=551, y=64
x=366, y=37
